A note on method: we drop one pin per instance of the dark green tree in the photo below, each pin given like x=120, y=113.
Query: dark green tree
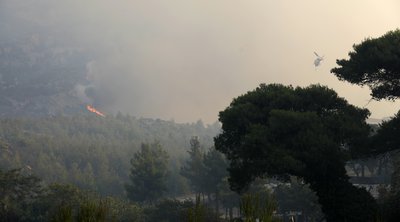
x=18, y=190
x=215, y=171
x=310, y=133
x=215, y=166
x=63, y=202
x=258, y=205
x=296, y=196
x=229, y=199
x=375, y=62
x=148, y=174
x=168, y=210
x=194, y=169
x=387, y=136
x=386, y=141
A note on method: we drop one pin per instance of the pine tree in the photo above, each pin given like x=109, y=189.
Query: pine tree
x=148, y=174
x=194, y=169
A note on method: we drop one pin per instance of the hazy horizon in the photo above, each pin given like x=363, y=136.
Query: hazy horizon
x=187, y=60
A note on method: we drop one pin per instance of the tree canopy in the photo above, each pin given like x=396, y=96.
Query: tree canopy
x=194, y=169
x=386, y=137
x=375, y=62
x=148, y=174
x=309, y=132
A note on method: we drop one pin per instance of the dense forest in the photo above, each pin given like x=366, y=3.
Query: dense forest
x=94, y=152
x=55, y=165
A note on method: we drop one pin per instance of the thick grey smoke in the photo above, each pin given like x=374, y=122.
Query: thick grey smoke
x=187, y=59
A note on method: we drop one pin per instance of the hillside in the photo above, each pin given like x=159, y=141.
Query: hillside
x=40, y=79
x=94, y=152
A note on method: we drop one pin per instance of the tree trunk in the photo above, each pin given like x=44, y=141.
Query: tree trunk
x=217, y=204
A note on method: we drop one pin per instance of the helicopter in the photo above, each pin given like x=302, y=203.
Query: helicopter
x=318, y=60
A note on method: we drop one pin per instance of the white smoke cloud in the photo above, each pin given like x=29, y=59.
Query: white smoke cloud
x=187, y=59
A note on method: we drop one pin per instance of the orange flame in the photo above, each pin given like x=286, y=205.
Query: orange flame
x=93, y=110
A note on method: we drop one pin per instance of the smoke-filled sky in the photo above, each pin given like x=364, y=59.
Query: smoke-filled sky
x=186, y=60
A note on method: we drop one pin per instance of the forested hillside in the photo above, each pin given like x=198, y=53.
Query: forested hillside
x=38, y=79
x=94, y=152
x=46, y=81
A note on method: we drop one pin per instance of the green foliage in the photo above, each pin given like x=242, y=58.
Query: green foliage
x=168, y=210
x=386, y=137
x=259, y=206
x=194, y=169
x=90, y=211
x=389, y=207
x=205, y=171
x=172, y=210
x=389, y=196
x=309, y=132
x=148, y=174
x=68, y=203
x=198, y=212
x=33, y=202
x=215, y=166
x=63, y=214
x=386, y=141
x=375, y=62
x=61, y=202
x=18, y=190
x=296, y=196
x=122, y=210
x=87, y=211
x=277, y=130
x=229, y=199
x=94, y=153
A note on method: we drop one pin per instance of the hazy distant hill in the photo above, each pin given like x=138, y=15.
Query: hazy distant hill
x=38, y=78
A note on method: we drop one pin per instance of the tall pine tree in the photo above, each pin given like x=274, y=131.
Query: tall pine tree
x=194, y=169
x=148, y=174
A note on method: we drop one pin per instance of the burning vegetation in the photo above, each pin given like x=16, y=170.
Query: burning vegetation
x=93, y=110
